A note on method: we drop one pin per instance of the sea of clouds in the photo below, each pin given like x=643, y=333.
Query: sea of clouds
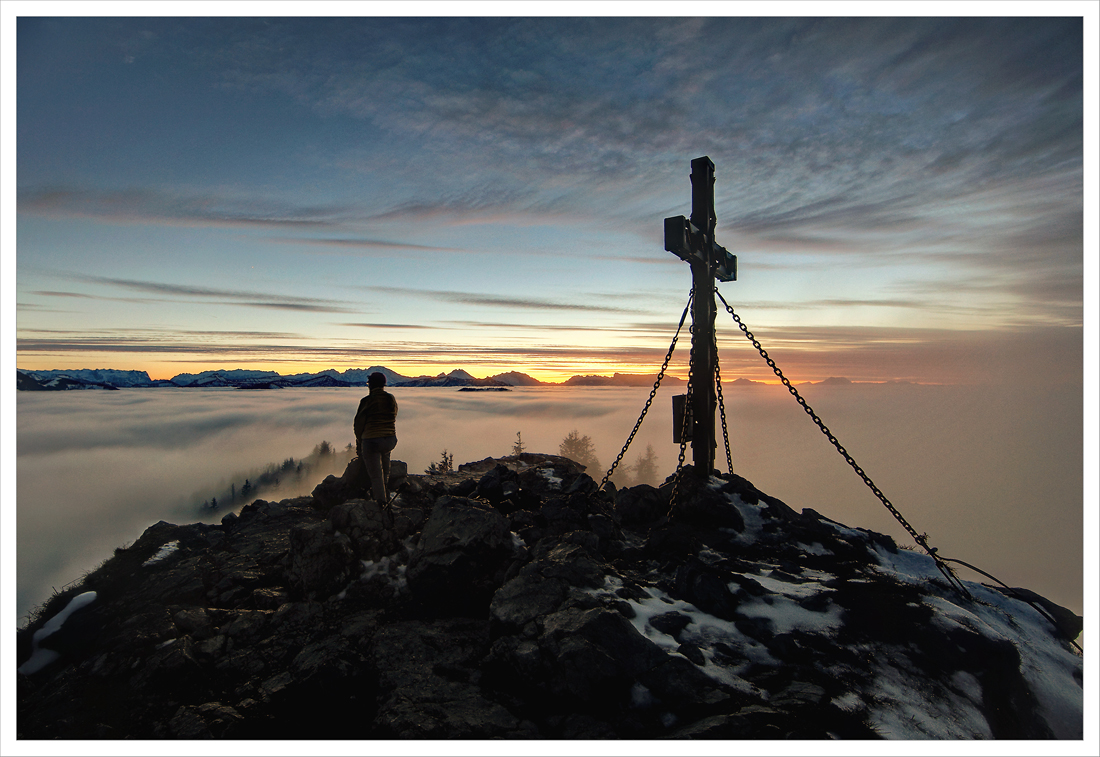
x=993, y=475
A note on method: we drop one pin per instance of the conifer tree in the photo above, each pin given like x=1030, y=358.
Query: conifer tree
x=579, y=449
x=445, y=464
x=645, y=470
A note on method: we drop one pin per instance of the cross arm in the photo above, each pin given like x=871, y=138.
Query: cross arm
x=686, y=242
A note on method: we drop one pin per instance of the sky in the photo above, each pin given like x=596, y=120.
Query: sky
x=904, y=195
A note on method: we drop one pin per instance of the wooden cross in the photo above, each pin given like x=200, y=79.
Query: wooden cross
x=693, y=241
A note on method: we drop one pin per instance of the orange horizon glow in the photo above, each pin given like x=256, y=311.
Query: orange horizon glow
x=163, y=371
x=166, y=370
x=967, y=359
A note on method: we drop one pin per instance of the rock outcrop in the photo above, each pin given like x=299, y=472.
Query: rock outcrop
x=512, y=600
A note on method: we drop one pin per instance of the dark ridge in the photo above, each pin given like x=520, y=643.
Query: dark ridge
x=510, y=599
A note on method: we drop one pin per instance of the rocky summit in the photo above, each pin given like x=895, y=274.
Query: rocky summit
x=511, y=599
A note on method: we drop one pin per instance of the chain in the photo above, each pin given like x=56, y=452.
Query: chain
x=683, y=427
x=1038, y=607
x=722, y=406
x=920, y=539
x=652, y=392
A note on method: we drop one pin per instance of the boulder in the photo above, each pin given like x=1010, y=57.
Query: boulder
x=712, y=509
x=369, y=527
x=499, y=484
x=355, y=483
x=594, y=655
x=321, y=562
x=640, y=505
x=562, y=515
x=463, y=554
x=543, y=585
x=682, y=687
x=706, y=588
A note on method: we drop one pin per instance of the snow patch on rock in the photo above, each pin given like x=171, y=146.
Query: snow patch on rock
x=40, y=657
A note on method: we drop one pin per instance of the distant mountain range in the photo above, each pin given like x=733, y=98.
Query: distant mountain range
x=243, y=378
x=84, y=378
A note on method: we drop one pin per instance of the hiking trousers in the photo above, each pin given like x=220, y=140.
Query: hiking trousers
x=375, y=454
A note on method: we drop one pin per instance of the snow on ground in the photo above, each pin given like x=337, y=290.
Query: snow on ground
x=705, y=631
x=717, y=638
x=907, y=566
x=750, y=514
x=1051, y=669
x=902, y=703
x=388, y=567
x=784, y=612
x=40, y=658
x=1053, y=672
x=162, y=553
x=906, y=705
x=850, y=702
x=548, y=473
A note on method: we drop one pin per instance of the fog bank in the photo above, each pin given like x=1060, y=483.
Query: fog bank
x=994, y=476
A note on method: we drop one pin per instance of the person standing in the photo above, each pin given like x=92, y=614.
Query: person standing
x=376, y=433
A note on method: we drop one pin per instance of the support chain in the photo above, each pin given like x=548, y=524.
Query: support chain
x=652, y=393
x=920, y=539
x=722, y=406
x=1038, y=607
x=683, y=430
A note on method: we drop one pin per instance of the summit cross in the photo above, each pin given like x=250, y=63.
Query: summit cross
x=692, y=240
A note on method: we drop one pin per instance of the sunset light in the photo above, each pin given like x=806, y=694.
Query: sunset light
x=189, y=199
x=219, y=226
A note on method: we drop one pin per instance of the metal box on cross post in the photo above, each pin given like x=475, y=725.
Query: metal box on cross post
x=686, y=242
x=681, y=426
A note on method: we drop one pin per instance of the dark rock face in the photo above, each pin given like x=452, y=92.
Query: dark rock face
x=511, y=600
x=320, y=560
x=462, y=555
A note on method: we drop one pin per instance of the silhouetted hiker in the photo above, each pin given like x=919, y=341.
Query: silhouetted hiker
x=376, y=433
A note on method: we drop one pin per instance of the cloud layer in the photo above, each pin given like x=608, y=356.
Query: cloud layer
x=96, y=468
